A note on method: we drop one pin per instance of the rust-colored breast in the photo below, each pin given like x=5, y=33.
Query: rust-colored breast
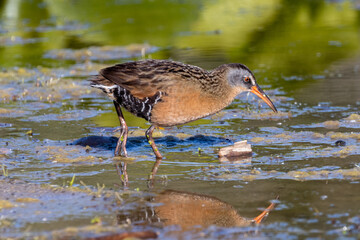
x=186, y=102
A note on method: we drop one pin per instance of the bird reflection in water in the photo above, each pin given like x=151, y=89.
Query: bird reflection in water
x=188, y=210
x=185, y=209
x=121, y=169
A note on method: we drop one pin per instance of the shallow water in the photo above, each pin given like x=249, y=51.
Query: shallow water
x=305, y=55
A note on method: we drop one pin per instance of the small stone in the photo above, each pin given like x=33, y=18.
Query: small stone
x=340, y=143
x=241, y=148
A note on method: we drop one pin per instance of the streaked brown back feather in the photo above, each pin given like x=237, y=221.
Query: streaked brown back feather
x=146, y=78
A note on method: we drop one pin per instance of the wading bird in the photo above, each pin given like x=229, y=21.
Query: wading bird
x=168, y=93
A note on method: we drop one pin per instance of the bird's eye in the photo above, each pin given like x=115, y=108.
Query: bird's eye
x=247, y=79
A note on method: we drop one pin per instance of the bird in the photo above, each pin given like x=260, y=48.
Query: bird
x=168, y=93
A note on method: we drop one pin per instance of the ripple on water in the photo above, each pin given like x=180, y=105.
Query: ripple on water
x=102, y=53
x=235, y=173
x=70, y=115
x=351, y=121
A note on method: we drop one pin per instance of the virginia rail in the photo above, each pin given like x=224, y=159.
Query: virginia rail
x=168, y=93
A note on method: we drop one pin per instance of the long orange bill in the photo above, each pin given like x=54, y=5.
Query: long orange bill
x=260, y=93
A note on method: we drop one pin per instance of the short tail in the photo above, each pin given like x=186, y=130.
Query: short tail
x=105, y=85
x=97, y=80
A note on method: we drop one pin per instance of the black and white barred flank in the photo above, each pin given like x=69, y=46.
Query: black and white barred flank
x=138, y=107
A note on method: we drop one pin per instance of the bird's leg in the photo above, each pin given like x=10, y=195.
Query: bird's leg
x=122, y=172
x=150, y=139
x=123, y=132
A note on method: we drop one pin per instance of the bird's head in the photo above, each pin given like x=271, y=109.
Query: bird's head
x=240, y=77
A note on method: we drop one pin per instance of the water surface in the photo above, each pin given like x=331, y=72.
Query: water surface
x=305, y=55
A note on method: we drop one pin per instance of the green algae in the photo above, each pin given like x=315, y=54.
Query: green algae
x=68, y=154
x=6, y=204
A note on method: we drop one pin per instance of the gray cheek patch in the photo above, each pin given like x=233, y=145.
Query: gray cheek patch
x=235, y=76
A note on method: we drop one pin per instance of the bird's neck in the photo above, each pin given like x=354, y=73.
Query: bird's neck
x=219, y=86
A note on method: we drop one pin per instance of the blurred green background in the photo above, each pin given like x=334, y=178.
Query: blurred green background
x=291, y=37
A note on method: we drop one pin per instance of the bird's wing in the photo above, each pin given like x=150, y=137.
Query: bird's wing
x=146, y=78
